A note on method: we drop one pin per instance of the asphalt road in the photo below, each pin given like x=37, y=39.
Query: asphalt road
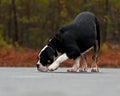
x=30, y=82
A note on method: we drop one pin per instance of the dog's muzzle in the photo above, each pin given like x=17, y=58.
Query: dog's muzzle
x=41, y=68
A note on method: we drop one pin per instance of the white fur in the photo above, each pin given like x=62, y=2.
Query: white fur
x=75, y=66
x=63, y=58
x=41, y=67
x=44, y=68
x=43, y=49
x=76, y=62
x=57, y=56
x=84, y=65
x=58, y=61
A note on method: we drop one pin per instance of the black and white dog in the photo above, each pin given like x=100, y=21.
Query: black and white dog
x=72, y=42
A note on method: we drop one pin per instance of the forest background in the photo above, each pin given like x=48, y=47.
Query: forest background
x=27, y=25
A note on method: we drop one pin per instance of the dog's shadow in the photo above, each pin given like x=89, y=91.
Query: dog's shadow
x=63, y=72
x=66, y=72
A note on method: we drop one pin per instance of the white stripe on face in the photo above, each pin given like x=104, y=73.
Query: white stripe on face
x=43, y=49
x=41, y=67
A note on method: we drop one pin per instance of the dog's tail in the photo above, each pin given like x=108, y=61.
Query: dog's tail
x=98, y=31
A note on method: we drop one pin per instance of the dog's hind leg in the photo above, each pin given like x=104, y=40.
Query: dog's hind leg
x=75, y=66
x=94, y=67
x=84, y=67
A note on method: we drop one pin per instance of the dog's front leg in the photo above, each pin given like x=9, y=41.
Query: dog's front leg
x=57, y=63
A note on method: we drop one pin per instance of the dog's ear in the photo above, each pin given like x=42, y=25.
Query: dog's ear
x=50, y=52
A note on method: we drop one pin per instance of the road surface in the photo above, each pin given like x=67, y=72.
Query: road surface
x=30, y=82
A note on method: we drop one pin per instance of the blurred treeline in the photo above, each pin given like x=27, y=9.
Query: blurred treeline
x=31, y=23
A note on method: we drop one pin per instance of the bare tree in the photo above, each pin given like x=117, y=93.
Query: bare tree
x=16, y=35
x=106, y=20
x=0, y=9
x=9, y=22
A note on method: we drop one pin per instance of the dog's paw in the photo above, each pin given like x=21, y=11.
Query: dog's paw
x=95, y=69
x=83, y=69
x=72, y=69
x=53, y=67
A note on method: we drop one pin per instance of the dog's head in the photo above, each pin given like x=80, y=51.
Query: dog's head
x=45, y=58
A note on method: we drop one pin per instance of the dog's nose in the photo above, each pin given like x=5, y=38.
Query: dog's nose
x=37, y=65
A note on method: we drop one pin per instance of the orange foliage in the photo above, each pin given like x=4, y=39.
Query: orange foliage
x=14, y=58
x=28, y=58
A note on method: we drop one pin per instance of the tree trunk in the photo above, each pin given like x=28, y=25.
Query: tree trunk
x=16, y=34
x=9, y=23
x=0, y=9
x=106, y=20
x=27, y=35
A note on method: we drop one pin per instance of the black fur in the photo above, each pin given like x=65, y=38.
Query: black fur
x=76, y=37
x=47, y=56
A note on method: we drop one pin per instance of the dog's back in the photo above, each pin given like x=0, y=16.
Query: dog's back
x=83, y=31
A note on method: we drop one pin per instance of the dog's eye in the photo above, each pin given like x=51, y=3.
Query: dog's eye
x=49, y=61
